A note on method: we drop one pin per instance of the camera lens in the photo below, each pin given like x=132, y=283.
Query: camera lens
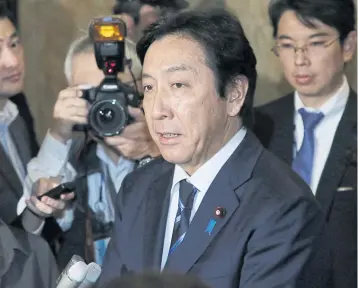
x=107, y=117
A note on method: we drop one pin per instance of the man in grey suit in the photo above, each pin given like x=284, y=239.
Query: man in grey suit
x=26, y=260
x=17, y=140
x=218, y=206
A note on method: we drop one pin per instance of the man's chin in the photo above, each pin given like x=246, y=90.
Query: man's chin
x=7, y=93
x=175, y=157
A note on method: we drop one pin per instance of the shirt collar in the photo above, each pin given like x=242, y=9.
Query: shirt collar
x=8, y=113
x=205, y=175
x=333, y=106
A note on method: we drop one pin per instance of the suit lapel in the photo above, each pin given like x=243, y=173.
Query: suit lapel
x=343, y=146
x=156, y=211
x=9, y=174
x=283, y=138
x=221, y=193
x=20, y=137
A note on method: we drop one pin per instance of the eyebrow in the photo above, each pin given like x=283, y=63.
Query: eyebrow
x=180, y=67
x=172, y=69
x=319, y=34
x=12, y=36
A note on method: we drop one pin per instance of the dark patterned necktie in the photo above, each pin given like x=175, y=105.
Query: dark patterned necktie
x=185, y=204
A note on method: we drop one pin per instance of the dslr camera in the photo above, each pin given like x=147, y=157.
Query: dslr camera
x=108, y=114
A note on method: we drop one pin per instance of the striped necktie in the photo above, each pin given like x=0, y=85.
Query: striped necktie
x=185, y=204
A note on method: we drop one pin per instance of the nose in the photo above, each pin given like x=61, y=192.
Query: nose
x=301, y=58
x=8, y=58
x=161, y=108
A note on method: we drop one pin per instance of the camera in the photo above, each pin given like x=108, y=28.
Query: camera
x=108, y=114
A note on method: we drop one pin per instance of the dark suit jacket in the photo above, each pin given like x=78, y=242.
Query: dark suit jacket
x=26, y=260
x=25, y=113
x=337, y=189
x=268, y=233
x=11, y=188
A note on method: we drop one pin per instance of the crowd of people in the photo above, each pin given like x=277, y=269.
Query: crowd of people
x=201, y=189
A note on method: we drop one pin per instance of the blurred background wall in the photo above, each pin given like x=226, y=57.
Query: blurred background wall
x=47, y=28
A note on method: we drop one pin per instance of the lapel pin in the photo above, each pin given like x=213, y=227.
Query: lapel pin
x=210, y=227
x=220, y=212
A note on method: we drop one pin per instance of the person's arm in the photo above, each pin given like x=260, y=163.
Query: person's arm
x=281, y=246
x=51, y=162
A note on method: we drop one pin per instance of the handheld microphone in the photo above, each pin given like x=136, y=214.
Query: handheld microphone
x=73, y=274
x=93, y=273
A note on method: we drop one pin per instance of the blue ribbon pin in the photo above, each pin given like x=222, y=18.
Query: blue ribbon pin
x=210, y=226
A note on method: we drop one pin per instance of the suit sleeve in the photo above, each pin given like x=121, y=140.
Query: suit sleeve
x=281, y=246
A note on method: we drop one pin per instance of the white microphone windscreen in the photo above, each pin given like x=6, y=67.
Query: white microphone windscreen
x=93, y=273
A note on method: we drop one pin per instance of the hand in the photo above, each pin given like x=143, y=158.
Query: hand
x=135, y=141
x=47, y=206
x=69, y=110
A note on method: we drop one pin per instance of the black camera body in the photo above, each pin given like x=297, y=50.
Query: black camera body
x=108, y=114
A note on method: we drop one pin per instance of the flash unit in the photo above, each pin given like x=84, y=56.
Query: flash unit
x=108, y=34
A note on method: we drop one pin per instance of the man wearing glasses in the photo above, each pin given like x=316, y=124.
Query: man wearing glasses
x=313, y=129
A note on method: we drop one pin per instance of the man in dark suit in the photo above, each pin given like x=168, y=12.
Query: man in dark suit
x=314, y=41
x=17, y=140
x=218, y=206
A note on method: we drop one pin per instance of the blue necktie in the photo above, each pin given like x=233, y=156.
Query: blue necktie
x=185, y=204
x=303, y=163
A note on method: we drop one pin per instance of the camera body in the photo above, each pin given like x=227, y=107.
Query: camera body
x=108, y=114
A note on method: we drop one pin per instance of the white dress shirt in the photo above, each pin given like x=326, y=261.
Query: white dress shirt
x=325, y=130
x=202, y=180
x=7, y=116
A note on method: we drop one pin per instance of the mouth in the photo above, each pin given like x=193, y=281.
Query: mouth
x=13, y=77
x=168, y=138
x=303, y=79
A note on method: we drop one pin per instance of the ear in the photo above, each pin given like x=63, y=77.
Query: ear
x=236, y=95
x=349, y=46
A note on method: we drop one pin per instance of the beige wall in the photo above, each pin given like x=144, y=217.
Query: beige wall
x=48, y=27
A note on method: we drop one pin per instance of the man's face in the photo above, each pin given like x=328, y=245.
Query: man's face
x=319, y=70
x=85, y=71
x=186, y=117
x=12, y=67
x=148, y=15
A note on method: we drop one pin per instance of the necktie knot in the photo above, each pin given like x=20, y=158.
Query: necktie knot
x=310, y=119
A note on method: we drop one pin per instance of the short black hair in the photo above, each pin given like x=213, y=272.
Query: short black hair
x=220, y=34
x=131, y=8
x=5, y=12
x=338, y=14
x=155, y=280
x=176, y=5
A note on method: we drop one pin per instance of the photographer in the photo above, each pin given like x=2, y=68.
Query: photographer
x=67, y=155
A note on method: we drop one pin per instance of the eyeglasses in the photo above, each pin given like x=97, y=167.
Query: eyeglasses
x=311, y=49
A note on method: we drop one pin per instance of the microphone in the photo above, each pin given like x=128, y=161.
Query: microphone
x=73, y=274
x=93, y=273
